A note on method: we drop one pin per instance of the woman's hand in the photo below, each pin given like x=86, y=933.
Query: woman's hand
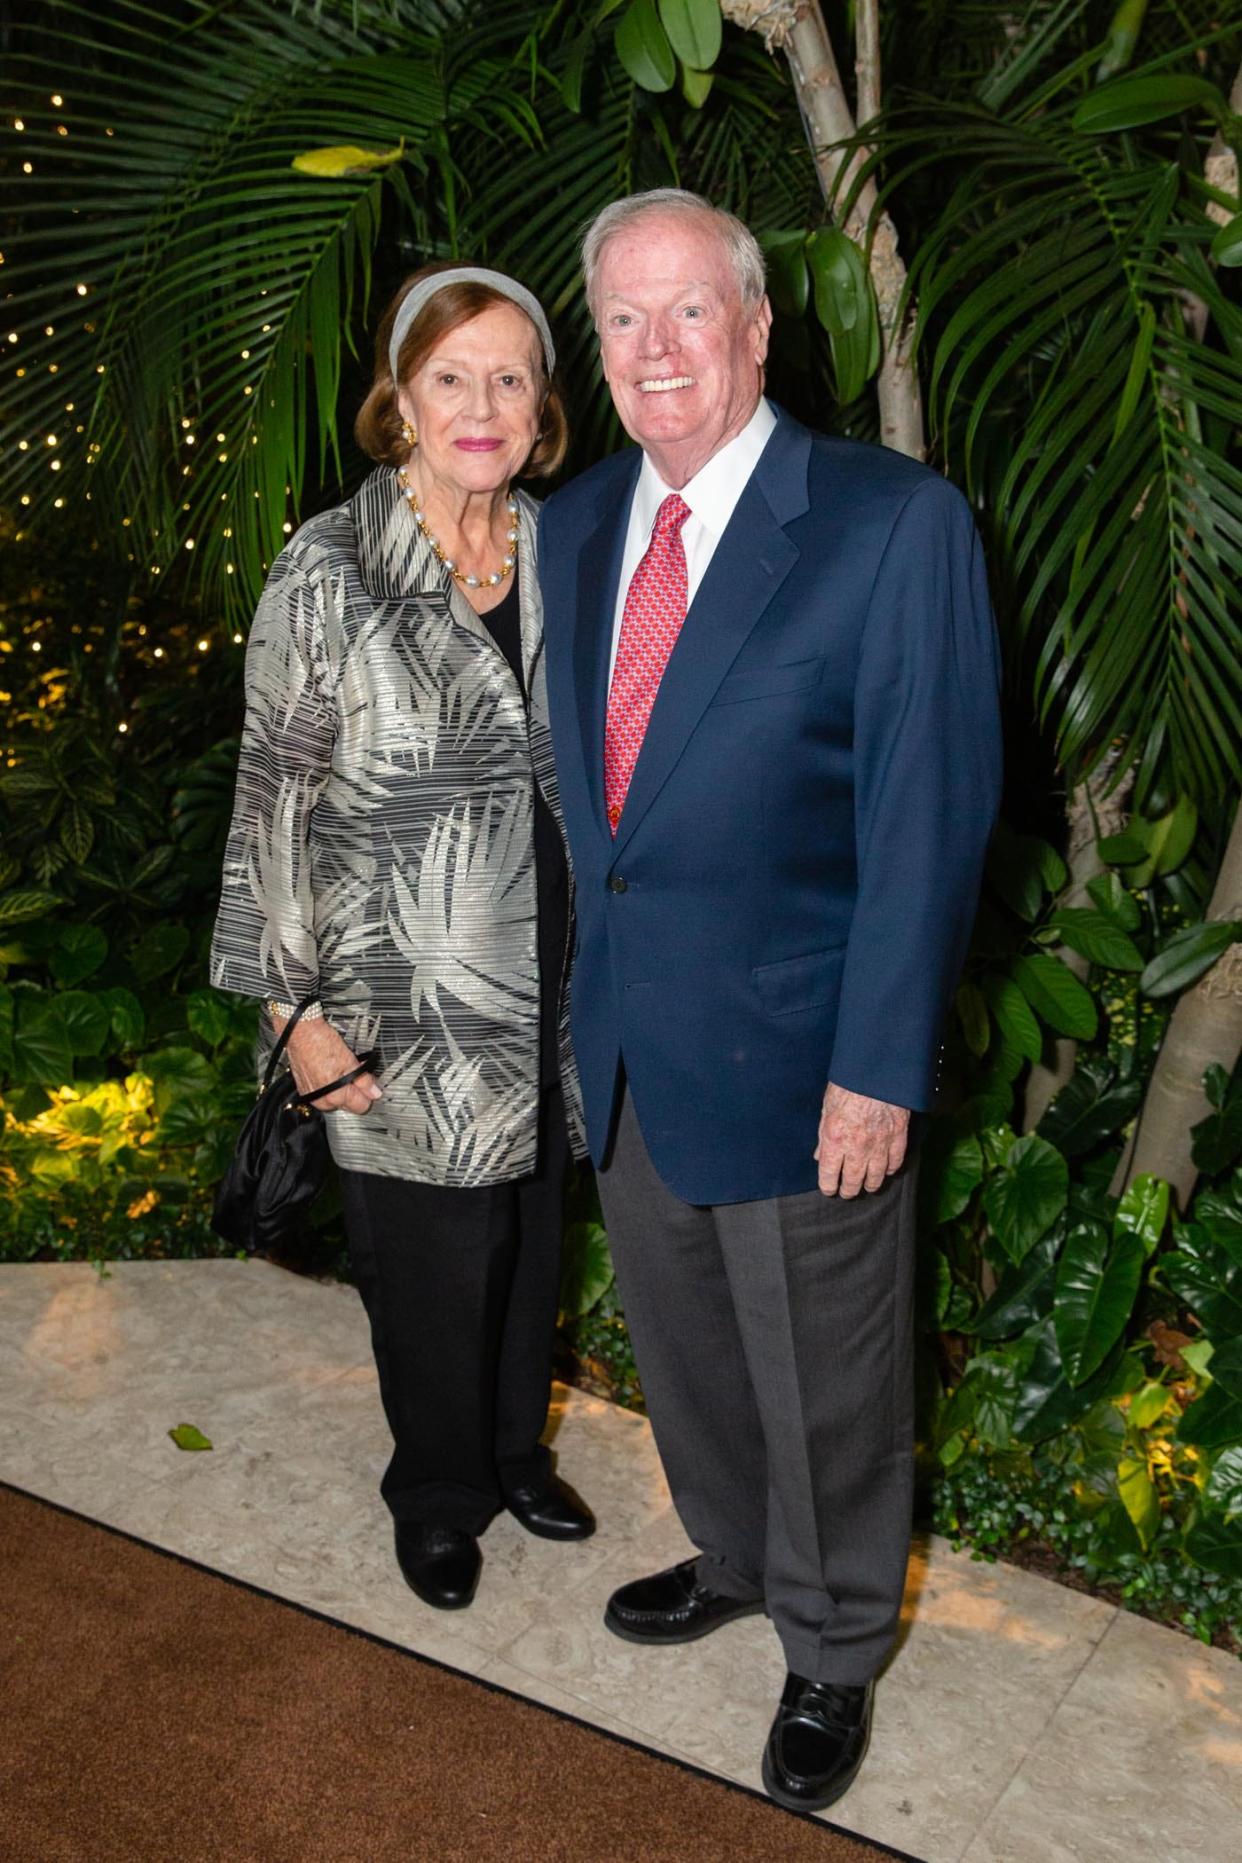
x=317, y=1055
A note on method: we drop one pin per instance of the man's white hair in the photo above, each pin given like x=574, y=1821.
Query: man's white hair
x=740, y=243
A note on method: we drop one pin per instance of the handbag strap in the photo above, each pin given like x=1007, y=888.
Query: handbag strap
x=364, y=1066
x=282, y=1040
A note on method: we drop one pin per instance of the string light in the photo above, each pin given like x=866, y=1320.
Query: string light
x=203, y=646
x=57, y=100
x=17, y=123
x=122, y=727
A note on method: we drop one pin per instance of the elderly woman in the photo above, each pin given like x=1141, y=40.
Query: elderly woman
x=396, y=857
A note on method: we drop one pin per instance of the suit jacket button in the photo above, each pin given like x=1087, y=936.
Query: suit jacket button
x=617, y=884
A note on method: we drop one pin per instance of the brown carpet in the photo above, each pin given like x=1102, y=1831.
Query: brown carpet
x=155, y=1712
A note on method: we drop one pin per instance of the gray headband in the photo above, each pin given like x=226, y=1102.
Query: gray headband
x=469, y=275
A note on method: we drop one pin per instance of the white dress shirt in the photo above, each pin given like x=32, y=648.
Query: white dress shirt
x=711, y=494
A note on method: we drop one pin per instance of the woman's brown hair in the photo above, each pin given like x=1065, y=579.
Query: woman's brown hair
x=378, y=426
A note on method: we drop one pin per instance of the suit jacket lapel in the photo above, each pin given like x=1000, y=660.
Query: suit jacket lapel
x=599, y=572
x=750, y=563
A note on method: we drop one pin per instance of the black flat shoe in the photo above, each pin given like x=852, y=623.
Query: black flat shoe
x=672, y=1607
x=552, y=1510
x=817, y=1743
x=442, y=1564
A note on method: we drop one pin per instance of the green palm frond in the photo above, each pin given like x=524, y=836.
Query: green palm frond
x=221, y=289
x=1070, y=388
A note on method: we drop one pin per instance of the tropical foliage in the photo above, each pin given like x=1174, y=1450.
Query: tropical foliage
x=209, y=204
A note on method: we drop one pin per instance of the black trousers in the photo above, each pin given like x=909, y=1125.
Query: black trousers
x=774, y=1343
x=460, y=1286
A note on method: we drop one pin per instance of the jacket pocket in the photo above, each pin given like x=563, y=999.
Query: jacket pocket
x=800, y=982
x=765, y=682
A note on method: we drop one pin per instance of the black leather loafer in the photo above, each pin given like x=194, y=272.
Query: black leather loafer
x=442, y=1564
x=672, y=1607
x=817, y=1743
x=552, y=1510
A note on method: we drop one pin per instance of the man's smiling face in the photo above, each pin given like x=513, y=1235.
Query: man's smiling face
x=682, y=354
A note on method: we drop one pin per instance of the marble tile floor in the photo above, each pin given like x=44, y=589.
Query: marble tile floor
x=1018, y=1722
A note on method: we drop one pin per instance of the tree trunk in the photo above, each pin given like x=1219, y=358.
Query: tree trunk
x=797, y=28
x=1092, y=812
x=1206, y=1027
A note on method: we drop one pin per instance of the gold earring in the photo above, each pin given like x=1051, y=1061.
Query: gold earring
x=409, y=434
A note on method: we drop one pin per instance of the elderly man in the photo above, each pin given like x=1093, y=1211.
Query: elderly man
x=773, y=685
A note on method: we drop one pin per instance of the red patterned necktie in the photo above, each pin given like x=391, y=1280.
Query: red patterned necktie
x=655, y=607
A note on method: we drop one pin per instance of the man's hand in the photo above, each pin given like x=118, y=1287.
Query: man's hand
x=317, y=1054
x=861, y=1142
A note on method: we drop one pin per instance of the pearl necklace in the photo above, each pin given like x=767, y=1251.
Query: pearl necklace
x=459, y=575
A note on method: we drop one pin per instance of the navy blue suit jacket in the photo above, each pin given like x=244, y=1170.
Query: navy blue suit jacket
x=793, y=881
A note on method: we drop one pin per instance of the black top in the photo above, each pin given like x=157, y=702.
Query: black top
x=504, y=623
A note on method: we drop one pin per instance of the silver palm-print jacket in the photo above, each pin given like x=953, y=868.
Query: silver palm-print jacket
x=381, y=847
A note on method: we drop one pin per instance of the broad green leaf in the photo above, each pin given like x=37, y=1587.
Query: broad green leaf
x=1115, y=901
x=1227, y=1366
x=1226, y=248
x=950, y=1170
x=1025, y=1199
x=995, y=1379
x=208, y=1015
x=972, y=1013
x=1095, y=1292
x=789, y=276
x=1052, y=869
x=1014, y=1017
x=1213, y=1421
x=644, y=49
x=1096, y=937
x=159, y=949
x=1187, y=955
x=346, y=159
x=1056, y=995
x=127, y=1017
x=77, y=832
x=587, y=1271
x=29, y=903
x=1138, y=1496
x=1198, y=1355
x=189, y=1436
x=1016, y=866
x=1148, y=1404
x=1210, y=1285
x=1170, y=839
x=1143, y=1211
x=78, y=953
x=694, y=30
x=1047, y=1402
x=42, y=1054
x=1224, y=1484
x=1126, y=849
x=696, y=85
x=1023, y=1294
x=1214, y=1541
x=839, y=278
x=85, y=1018
x=1216, y=1142
x=1092, y=1106
x=1130, y=102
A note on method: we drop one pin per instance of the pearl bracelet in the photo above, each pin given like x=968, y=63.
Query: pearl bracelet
x=313, y=1012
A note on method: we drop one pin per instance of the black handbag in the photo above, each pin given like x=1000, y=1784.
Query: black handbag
x=278, y=1163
